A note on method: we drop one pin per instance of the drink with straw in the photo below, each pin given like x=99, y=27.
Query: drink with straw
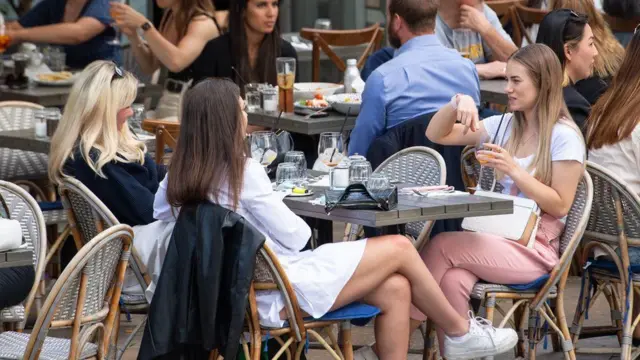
x=286, y=70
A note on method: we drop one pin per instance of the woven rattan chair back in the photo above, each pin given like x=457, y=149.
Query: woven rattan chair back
x=603, y=223
x=419, y=166
x=89, y=286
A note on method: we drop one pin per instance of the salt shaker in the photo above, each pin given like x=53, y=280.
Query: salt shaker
x=40, y=124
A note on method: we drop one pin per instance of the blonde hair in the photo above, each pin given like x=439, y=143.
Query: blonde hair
x=544, y=69
x=610, y=52
x=89, y=121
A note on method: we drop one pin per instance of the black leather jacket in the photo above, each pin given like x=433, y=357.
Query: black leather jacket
x=201, y=295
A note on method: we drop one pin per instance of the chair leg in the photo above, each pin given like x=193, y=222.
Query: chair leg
x=533, y=333
x=581, y=310
x=430, y=343
x=626, y=326
x=347, y=345
x=561, y=320
x=616, y=313
x=490, y=307
x=520, y=317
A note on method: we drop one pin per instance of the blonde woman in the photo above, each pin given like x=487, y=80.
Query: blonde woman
x=93, y=144
x=610, y=52
x=186, y=27
x=538, y=154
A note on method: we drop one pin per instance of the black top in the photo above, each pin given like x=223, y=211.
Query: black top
x=217, y=59
x=592, y=88
x=128, y=190
x=627, y=9
x=579, y=107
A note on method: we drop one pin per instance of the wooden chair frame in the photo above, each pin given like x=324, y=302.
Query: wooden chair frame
x=104, y=219
x=40, y=249
x=618, y=208
x=522, y=17
x=502, y=8
x=166, y=135
x=269, y=275
x=324, y=39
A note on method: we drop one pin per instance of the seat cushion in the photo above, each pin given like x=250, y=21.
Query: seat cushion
x=50, y=205
x=481, y=289
x=133, y=299
x=12, y=314
x=609, y=267
x=359, y=314
x=13, y=346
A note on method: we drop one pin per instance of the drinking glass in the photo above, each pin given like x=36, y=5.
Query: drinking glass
x=113, y=13
x=286, y=70
x=359, y=172
x=57, y=60
x=378, y=182
x=252, y=101
x=264, y=147
x=483, y=159
x=20, y=63
x=297, y=158
x=330, y=148
x=287, y=175
x=138, y=116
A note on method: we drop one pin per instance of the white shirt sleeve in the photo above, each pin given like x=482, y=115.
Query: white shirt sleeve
x=281, y=224
x=567, y=144
x=161, y=208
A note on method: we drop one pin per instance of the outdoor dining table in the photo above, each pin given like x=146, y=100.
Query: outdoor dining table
x=16, y=257
x=493, y=91
x=301, y=124
x=25, y=139
x=55, y=96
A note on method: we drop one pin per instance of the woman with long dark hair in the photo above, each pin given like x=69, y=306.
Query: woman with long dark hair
x=248, y=52
x=570, y=37
x=185, y=28
x=386, y=272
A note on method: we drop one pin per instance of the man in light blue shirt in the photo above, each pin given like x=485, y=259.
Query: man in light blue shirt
x=421, y=78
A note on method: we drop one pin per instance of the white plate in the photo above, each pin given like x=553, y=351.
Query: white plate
x=67, y=82
x=300, y=106
x=342, y=102
x=304, y=91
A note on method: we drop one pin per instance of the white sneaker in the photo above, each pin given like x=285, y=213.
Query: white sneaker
x=481, y=340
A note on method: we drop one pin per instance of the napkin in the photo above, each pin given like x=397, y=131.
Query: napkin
x=10, y=234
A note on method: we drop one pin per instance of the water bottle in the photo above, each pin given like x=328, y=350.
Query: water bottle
x=351, y=74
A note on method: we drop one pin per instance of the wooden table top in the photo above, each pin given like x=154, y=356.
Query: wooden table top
x=17, y=257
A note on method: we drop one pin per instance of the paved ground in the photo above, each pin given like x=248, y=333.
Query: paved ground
x=598, y=316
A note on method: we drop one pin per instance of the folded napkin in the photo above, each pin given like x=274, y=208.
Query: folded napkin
x=10, y=234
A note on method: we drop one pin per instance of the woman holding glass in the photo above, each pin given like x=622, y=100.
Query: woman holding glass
x=385, y=272
x=538, y=154
x=186, y=27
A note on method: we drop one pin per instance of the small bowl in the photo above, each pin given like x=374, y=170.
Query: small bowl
x=306, y=91
x=342, y=102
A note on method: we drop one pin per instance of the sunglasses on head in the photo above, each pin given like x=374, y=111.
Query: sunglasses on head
x=636, y=30
x=118, y=73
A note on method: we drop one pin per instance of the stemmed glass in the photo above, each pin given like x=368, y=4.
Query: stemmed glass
x=330, y=148
x=114, y=13
x=264, y=147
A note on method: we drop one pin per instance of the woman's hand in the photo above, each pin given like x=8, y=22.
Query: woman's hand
x=126, y=18
x=467, y=113
x=498, y=158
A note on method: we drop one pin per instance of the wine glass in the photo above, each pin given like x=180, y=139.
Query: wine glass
x=298, y=158
x=330, y=148
x=264, y=147
x=113, y=14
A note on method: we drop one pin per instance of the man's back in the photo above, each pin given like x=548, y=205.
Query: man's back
x=421, y=78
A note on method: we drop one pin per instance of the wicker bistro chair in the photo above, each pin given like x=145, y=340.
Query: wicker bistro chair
x=85, y=298
x=23, y=208
x=269, y=275
x=614, y=222
x=419, y=166
x=88, y=216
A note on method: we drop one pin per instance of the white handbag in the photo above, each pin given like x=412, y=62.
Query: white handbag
x=521, y=226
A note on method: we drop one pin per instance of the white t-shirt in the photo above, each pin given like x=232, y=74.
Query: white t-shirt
x=622, y=158
x=566, y=144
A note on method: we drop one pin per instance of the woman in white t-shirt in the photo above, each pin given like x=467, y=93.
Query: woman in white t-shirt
x=538, y=154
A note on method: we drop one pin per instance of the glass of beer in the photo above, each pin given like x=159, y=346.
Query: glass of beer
x=286, y=69
x=5, y=40
x=483, y=158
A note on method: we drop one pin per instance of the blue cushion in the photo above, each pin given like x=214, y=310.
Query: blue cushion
x=611, y=266
x=534, y=285
x=359, y=314
x=50, y=205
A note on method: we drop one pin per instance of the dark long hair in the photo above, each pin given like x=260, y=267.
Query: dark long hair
x=211, y=152
x=615, y=115
x=265, y=69
x=560, y=27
